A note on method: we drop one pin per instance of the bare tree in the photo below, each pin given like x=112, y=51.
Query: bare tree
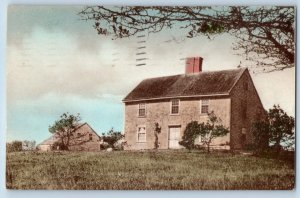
x=264, y=34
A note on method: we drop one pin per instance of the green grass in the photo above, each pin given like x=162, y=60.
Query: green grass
x=146, y=170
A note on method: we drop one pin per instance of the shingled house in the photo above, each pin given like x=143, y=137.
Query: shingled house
x=84, y=138
x=174, y=101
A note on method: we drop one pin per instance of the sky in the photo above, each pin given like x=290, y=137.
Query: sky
x=58, y=63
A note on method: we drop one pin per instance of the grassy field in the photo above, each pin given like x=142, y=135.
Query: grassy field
x=146, y=170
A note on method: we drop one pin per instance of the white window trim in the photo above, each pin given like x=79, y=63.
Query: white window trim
x=138, y=112
x=137, y=134
x=171, y=107
x=201, y=106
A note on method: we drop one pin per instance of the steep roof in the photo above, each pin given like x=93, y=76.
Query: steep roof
x=186, y=85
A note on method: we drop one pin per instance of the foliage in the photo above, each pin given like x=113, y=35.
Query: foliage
x=157, y=131
x=112, y=137
x=207, y=131
x=264, y=34
x=191, y=132
x=28, y=145
x=14, y=146
x=64, y=129
x=148, y=170
x=276, y=131
x=282, y=126
x=104, y=146
x=211, y=130
x=260, y=131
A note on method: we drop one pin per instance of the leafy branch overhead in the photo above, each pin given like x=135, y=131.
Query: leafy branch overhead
x=264, y=34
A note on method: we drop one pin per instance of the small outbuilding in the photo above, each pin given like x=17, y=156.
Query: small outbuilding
x=84, y=138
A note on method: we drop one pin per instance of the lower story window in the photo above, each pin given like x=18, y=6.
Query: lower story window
x=141, y=134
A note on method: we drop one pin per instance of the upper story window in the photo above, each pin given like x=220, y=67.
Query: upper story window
x=175, y=106
x=90, y=136
x=141, y=134
x=142, y=109
x=78, y=134
x=204, y=106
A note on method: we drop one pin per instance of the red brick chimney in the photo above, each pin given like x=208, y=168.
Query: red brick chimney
x=193, y=65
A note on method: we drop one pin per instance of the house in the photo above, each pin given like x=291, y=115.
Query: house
x=84, y=138
x=174, y=101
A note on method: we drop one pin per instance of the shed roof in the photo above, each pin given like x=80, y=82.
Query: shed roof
x=185, y=85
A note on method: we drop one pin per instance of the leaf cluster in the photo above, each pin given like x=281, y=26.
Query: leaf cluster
x=208, y=131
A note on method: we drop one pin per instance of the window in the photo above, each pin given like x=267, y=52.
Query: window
x=175, y=106
x=204, y=106
x=141, y=134
x=142, y=109
x=91, y=136
x=78, y=134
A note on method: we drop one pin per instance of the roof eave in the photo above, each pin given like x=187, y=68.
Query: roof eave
x=170, y=97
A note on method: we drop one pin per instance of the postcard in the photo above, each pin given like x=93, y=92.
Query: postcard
x=150, y=97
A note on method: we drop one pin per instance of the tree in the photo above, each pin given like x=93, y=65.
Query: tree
x=281, y=127
x=211, y=130
x=112, y=137
x=157, y=131
x=64, y=129
x=264, y=34
x=276, y=131
x=207, y=131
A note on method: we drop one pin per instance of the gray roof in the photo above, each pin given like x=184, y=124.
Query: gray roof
x=186, y=85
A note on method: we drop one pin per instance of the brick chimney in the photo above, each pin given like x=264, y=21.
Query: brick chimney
x=193, y=65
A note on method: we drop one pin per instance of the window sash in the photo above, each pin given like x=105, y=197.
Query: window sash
x=204, y=109
x=142, y=137
x=141, y=134
x=175, y=106
x=142, y=109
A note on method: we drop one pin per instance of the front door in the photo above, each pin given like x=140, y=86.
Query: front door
x=174, y=137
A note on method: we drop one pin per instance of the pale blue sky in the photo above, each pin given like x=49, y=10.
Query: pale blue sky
x=57, y=63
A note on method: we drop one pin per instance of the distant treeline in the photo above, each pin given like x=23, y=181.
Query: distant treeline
x=16, y=146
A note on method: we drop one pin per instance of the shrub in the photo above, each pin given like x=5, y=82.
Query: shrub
x=207, y=131
x=112, y=137
x=14, y=146
x=191, y=132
